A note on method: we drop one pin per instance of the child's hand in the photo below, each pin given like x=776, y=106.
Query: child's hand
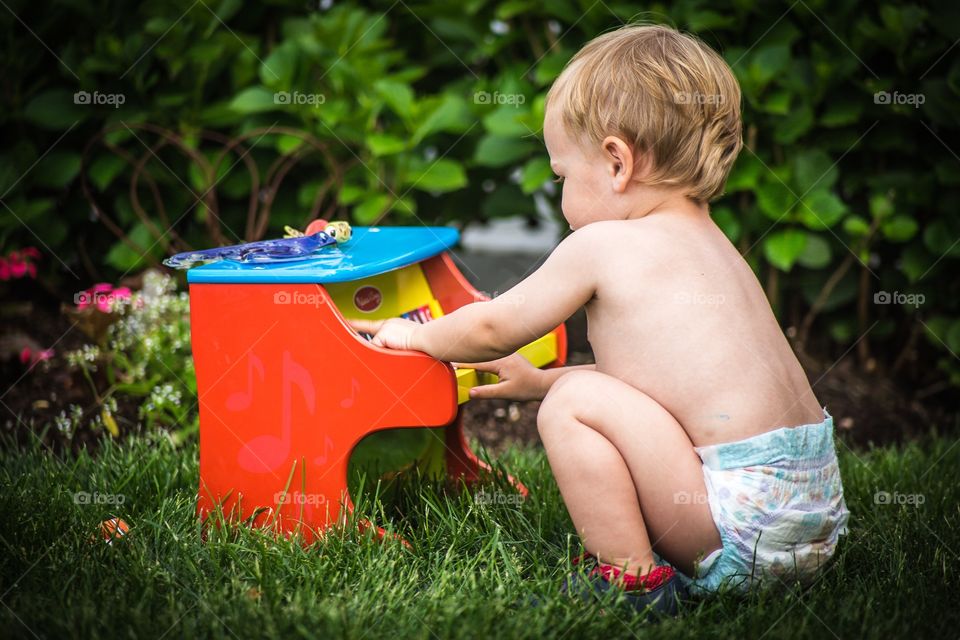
x=395, y=333
x=519, y=380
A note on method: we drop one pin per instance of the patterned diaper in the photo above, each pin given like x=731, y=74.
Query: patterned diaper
x=777, y=501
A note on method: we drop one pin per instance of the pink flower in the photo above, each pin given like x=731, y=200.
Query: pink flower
x=27, y=356
x=103, y=296
x=18, y=264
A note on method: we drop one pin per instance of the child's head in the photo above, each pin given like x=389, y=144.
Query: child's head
x=638, y=108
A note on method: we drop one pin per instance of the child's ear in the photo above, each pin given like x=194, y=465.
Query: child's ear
x=621, y=162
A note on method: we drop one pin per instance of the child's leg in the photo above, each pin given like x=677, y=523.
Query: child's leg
x=627, y=472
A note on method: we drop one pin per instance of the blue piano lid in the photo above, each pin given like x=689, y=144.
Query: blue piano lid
x=369, y=252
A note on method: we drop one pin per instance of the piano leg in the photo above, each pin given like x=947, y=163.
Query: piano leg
x=463, y=463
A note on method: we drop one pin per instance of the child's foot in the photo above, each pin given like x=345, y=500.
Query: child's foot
x=656, y=592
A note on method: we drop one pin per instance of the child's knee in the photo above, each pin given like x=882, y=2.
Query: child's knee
x=563, y=398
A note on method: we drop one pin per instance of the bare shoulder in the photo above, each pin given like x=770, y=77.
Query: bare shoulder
x=601, y=235
x=633, y=241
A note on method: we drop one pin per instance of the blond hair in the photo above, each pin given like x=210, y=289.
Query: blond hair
x=665, y=93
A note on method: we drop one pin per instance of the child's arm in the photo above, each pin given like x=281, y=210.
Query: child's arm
x=492, y=329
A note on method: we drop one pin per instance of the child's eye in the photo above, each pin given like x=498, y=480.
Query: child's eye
x=558, y=179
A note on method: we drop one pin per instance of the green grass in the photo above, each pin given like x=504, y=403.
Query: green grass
x=471, y=563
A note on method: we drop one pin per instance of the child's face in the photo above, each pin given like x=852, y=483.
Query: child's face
x=592, y=179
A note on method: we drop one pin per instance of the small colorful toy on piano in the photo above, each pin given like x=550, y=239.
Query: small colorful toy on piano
x=290, y=395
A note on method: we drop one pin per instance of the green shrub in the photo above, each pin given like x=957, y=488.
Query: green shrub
x=844, y=200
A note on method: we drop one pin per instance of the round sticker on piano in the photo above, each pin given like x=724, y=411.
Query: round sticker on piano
x=367, y=298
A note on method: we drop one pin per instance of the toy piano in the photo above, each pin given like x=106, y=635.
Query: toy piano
x=287, y=390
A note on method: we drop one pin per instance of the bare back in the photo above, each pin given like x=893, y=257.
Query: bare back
x=680, y=315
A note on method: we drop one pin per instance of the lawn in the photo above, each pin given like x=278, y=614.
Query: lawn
x=472, y=565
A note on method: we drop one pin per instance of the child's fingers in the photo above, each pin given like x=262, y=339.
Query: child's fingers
x=489, y=367
x=366, y=326
x=490, y=391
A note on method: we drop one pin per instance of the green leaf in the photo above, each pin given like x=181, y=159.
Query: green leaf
x=705, y=20
x=782, y=248
x=767, y=62
x=953, y=336
x=816, y=254
x=372, y=208
x=841, y=112
x=278, y=69
x=55, y=110
x=534, y=174
x=511, y=8
x=398, y=96
x=899, y=228
x=452, y=114
x=813, y=168
x=104, y=170
x=774, y=199
x=778, y=102
x=254, y=100
x=745, y=173
x=382, y=144
x=226, y=10
x=440, y=176
x=881, y=206
x=797, y=123
x=505, y=201
x=727, y=221
x=915, y=262
x=821, y=210
x=57, y=169
x=940, y=239
x=123, y=258
x=350, y=193
x=936, y=329
x=287, y=144
x=506, y=121
x=550, y=67
x=498, y=151
x=856, y=226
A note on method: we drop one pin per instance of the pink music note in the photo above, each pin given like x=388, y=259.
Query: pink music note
x=327, y=447
x=267, y=452
x=347, y=402
x=241, y=400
